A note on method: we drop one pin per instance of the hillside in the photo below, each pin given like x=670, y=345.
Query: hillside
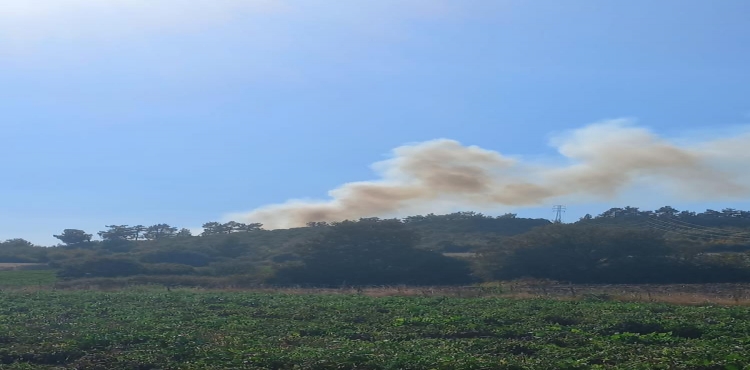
x=622, y=245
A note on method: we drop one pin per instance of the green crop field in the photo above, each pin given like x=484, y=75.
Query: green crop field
x=157, y=329
x=26, y=278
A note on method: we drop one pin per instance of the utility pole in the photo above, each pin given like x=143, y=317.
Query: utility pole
x=559, y=210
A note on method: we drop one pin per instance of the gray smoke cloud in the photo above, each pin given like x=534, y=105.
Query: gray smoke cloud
x=599, y=160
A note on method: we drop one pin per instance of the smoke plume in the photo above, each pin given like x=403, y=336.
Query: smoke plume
x=599, y=161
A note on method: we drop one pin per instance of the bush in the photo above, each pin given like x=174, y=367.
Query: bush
x=190, y=258
x=117, y=245
x=101, y=267
x=601, y=254
x=168, y=269
x=371, y=252
x=239, y=266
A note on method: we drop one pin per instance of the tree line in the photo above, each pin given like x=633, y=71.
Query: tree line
x=670, y=212
x=77, y=238
x=607, y=248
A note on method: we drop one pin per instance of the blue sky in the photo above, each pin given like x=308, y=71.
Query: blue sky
x=141, y=112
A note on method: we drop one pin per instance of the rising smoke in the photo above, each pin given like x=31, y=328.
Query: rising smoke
x=599, y=160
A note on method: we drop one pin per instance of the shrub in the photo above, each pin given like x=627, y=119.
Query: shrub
x=371, y=252
x=168, y=269
x=101, y=267
x=190, y=258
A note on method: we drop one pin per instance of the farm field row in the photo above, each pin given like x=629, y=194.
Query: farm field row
x=27, y=278
x=180, y=329
x=724, y=293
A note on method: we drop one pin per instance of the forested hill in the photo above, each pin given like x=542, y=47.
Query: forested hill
x=668, y=216
x=464, y=231
x=618, y=245
x=455, y=232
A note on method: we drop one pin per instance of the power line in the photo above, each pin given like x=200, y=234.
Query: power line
x=559, y=210
x=691, y=231
x=679, y=232
x=714, y=229
x=651, y=223
x=707, y=231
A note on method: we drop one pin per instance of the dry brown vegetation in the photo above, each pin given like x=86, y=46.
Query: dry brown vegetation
x=683, y=294
x=20, y=266
x=688, y=294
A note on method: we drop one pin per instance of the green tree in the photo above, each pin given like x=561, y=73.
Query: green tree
x=317, y=224
x=213, y=228
x=183, y=233
x=233, y=227
x=117, y=232
x=371, y=252
x=184, y=257
x=21, y=251
x=101, y=267
x=579, y=253
x=118, y=238
x=587, y=217
x=611, y=213
x=159, y=231
x=231, y=246
x=255, y=226
x=74, y=238
x=508, y=216
x=666, y=211
x=136, y=232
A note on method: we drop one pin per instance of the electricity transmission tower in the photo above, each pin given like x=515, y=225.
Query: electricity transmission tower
x=559, y=210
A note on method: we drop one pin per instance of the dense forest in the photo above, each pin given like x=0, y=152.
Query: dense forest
x=621, y=245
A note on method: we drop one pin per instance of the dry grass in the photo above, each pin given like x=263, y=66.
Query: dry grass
x=694, y=294
x=682, y=294
x=20, y=266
